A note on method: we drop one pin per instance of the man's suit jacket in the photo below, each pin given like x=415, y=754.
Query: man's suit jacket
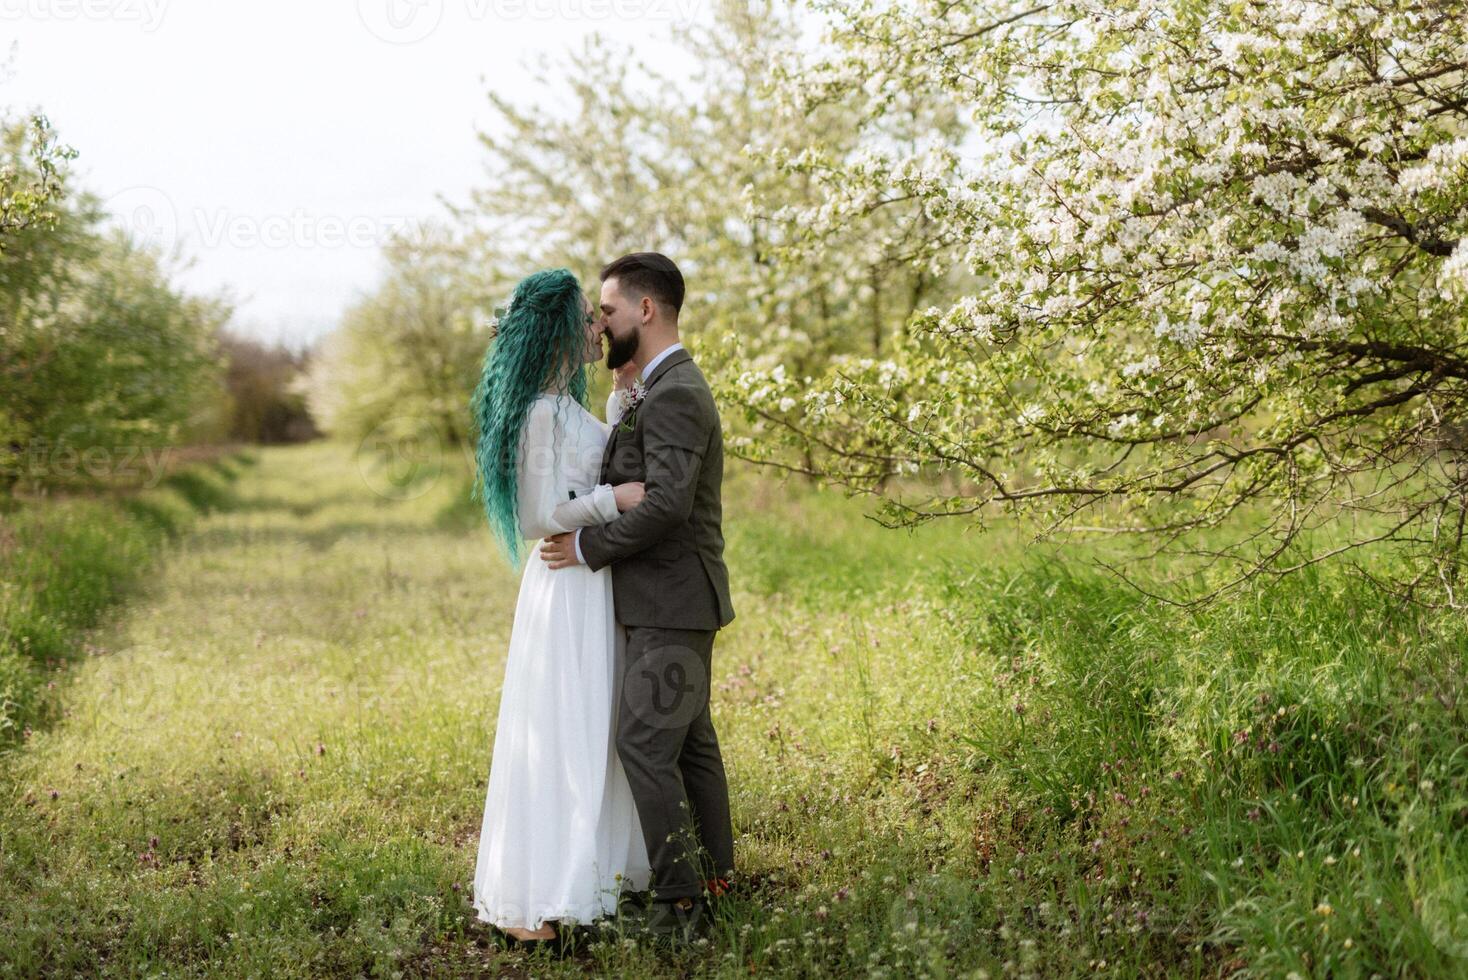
x=667, y=553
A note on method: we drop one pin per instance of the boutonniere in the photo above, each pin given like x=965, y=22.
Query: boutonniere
x=631, y=398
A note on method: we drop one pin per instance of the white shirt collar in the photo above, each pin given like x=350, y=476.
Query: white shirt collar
x=647, y=371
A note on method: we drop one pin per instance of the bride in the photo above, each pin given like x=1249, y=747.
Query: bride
x=561, y=836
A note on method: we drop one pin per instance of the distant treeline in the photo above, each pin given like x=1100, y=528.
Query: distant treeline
x=102, y=355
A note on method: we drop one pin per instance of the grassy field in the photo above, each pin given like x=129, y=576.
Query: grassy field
x=66, y=558
x=949, y=754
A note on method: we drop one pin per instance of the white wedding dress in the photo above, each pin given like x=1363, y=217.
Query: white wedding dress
x=561, y=836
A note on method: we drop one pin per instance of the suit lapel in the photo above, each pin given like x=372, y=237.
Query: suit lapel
x=677, y=357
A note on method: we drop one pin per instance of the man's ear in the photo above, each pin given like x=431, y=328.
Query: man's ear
x=647, y=309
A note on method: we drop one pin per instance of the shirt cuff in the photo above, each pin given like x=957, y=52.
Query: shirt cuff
x=606, y=502
x=576, y=540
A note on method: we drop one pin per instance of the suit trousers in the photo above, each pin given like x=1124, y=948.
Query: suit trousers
x=666, y=742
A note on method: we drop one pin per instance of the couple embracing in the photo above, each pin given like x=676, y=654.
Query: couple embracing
x=607, y=797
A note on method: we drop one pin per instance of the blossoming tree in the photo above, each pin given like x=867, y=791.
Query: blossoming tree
x=1220, y=249
x=636, y=156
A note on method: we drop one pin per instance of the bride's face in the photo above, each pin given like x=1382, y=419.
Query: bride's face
x=595, y=327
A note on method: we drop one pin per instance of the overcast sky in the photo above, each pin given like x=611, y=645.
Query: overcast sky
x=279, y=141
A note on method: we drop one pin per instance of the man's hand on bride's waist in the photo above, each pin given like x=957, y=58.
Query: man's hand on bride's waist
x=559, y=550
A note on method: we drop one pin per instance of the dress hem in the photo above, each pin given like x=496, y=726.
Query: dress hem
x=578, y=916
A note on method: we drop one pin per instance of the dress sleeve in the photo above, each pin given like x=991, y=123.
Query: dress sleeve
x=544, y=501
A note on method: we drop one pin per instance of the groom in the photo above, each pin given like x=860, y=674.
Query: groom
x=670, y=588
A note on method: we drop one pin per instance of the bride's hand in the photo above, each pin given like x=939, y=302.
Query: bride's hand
x=628, y=495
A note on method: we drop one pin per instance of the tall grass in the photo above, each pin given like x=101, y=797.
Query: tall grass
x=949, y=754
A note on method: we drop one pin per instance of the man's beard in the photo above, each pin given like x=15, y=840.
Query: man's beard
x=619, y=352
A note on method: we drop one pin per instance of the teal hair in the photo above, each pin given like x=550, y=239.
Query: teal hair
x=538, y=344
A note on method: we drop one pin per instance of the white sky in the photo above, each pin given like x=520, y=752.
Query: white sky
x=279, y=141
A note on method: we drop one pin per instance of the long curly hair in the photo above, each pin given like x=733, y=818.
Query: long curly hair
x=537, y=343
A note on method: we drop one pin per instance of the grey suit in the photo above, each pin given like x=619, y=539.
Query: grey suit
x=668, y=552
x=670, y=590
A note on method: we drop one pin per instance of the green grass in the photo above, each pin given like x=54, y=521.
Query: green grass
x=950, y=755
x=64, y=562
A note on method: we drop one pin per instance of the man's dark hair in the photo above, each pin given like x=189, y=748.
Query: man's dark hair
x=648, y=274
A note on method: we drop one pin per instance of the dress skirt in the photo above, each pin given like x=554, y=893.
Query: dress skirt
x=561, y=836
